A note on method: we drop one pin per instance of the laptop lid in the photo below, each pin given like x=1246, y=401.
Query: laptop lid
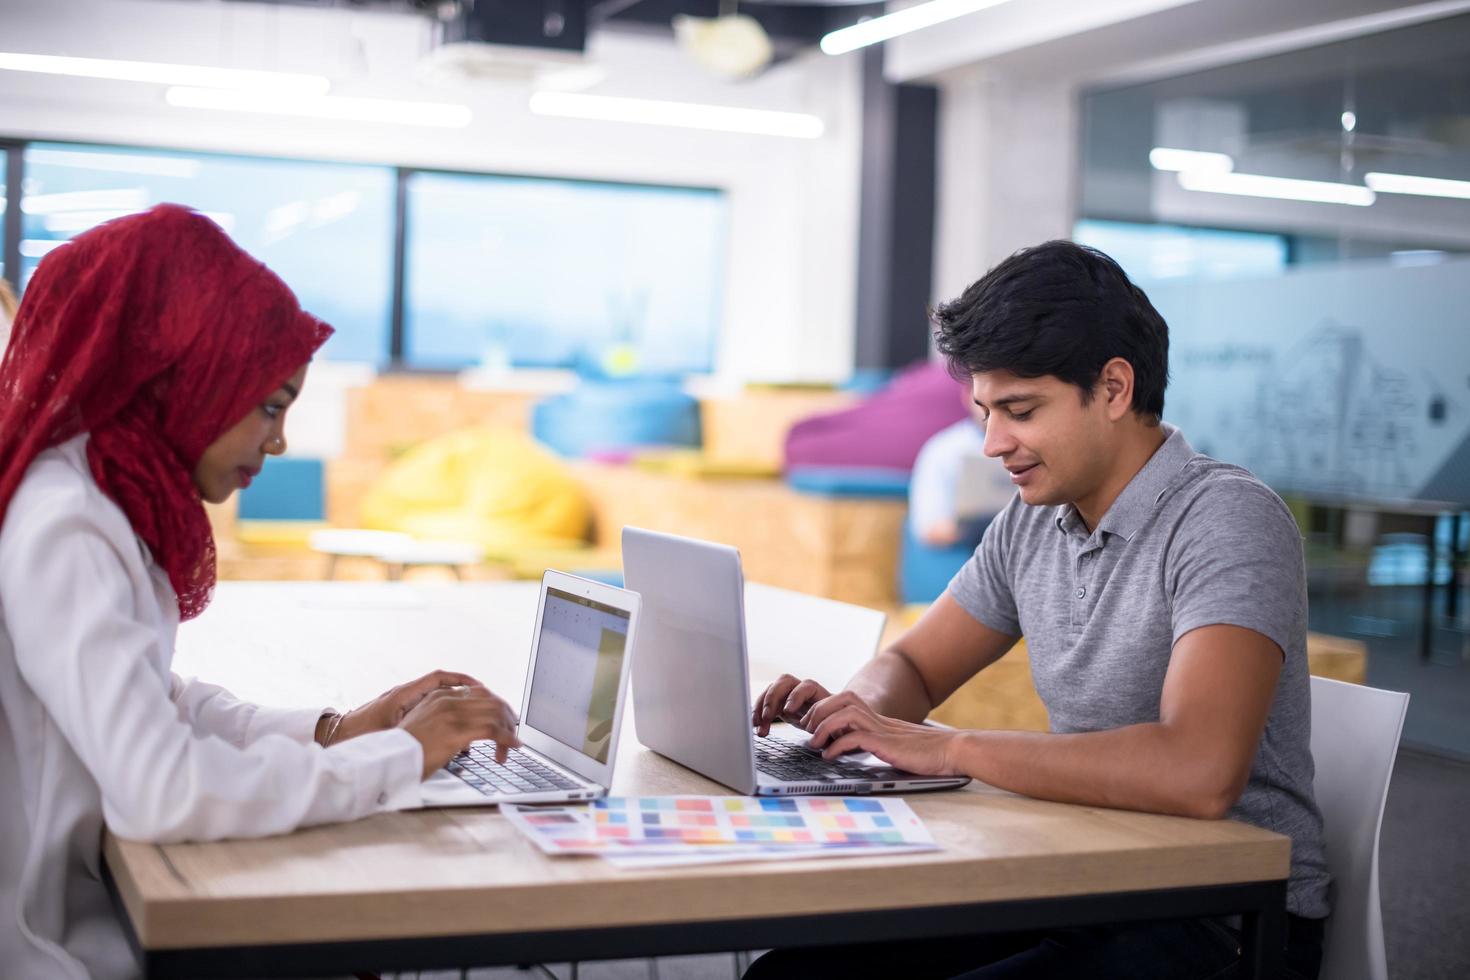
x=691, y=684
x=577, y=680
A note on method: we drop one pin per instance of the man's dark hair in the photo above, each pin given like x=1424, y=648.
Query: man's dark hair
x=1058, y=309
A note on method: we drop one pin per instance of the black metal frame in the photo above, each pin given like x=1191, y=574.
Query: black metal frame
x=1261, y=905
x=14, y=174
x=396, y=336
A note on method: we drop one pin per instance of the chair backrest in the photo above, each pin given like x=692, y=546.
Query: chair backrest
x=288, y=488
x=1355, y=737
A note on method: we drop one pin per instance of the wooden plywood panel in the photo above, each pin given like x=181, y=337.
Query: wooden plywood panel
x=839, y=548
x=752, y=426
x=1003, y=697
x=395, y=413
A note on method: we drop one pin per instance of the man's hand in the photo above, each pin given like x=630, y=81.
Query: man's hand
x=389, y=708
x=848, y=724
x=787, y=699
x=447, y=720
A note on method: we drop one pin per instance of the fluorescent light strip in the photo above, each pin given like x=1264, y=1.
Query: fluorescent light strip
x=132, y=163
x=1281, y=188
x=903, y=21
x=123, y=198
x=35, y=248
x=238, y=79
x=71, y=222
x=691, y=115
x=393, y=111
x=1193, y=161
x=1424, y=186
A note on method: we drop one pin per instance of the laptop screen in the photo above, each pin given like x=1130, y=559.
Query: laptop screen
x=579, y=661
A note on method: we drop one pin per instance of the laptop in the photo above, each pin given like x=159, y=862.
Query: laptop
x=691, y=682
x=571, y=708
x=984, y=488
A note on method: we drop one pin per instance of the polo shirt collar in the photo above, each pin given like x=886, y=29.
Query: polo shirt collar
x=1142, y=494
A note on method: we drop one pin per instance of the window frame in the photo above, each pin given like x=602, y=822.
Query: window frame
x=14, y=150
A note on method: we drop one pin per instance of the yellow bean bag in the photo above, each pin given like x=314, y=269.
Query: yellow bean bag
x=493, y=486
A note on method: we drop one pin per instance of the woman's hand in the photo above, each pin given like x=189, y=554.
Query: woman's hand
x=389, y=708
x=447, y=720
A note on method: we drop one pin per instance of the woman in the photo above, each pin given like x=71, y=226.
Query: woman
x=151, y=367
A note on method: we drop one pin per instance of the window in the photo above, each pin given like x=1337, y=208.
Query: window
x=326, y=229
x=535, y=272
x=1153, y=252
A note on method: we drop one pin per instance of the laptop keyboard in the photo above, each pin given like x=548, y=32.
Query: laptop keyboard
x=520, y=773
x=790, y=760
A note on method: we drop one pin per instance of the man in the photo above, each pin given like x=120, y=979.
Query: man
x=1163, y=600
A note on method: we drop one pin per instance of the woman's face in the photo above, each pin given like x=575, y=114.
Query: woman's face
x=235, y=458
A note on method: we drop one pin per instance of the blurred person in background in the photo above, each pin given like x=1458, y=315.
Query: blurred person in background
x=150, y=370
x=955, y=488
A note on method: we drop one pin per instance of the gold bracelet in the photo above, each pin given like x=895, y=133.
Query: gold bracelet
x=332, y=725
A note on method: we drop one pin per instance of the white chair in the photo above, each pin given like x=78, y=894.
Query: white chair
x=1355, y=737
x=809, y=636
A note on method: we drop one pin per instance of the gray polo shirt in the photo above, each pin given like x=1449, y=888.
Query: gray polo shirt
x=1190, y=542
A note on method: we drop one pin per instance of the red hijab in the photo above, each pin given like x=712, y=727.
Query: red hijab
x=155, y=334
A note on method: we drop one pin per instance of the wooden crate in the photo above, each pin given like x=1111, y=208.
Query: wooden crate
x=1003, y=697
x=397, y=412
x=751, y=427
x=841, y=548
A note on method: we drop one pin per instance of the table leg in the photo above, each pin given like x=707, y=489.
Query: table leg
x=1426, y=619
x=1263, y=938
x=1457, y=561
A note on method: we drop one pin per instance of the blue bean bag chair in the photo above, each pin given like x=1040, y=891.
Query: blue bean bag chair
x=924, y=570
x=288, y=489
x=850, y=481
x=605, y=417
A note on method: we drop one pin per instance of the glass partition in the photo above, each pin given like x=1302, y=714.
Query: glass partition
x=1303, y=223
x=527, y=272
x=326, y=229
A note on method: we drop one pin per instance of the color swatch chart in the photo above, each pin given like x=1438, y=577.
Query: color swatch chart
x=699, y=828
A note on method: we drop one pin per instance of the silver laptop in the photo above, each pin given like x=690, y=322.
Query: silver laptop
x=983, y=489
x=691, y=683
x=571, y=709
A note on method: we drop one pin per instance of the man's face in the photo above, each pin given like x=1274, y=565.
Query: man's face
x=1056, y=449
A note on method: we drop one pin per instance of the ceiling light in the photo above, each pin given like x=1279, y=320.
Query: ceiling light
x=238, y=79
x=125, y=199
x=1425, y=186
x=35, y=248
x=1281, y=188
x=761, y=122
x=1193, y=161
x=133, y=163
x=731, y=46
x=392, y=111
x=1349, y=121
x=1417, y=256
x=71, y=222
x=914, y=18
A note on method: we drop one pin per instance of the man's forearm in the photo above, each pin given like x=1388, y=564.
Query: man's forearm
x=1141, y=767
x=892, y=686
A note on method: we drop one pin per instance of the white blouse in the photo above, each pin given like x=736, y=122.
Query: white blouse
x=95, y=727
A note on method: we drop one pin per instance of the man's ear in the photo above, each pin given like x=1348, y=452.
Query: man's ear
x=1117, y=387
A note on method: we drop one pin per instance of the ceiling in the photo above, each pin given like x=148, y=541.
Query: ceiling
x=792, y=25
x=1282, y=116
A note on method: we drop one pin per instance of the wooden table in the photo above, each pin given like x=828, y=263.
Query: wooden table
x=450, y=888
